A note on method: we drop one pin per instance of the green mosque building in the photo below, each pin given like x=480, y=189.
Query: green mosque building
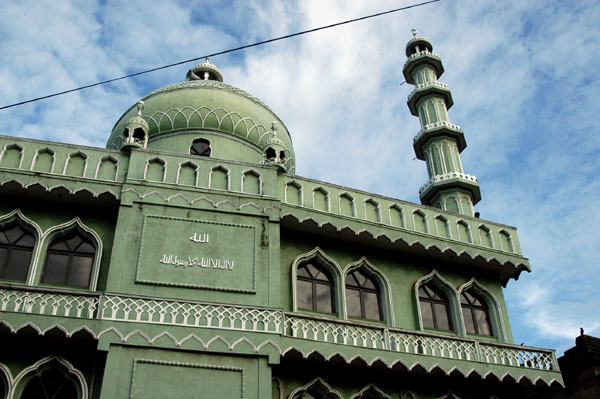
x=188, y=260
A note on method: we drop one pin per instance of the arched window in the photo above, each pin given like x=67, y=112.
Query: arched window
x=200, y=147
x=315, y=288
x=69, y=261
x=435, y=308
x=363, y=295
x=50, y=382
x=476, y=313
x=16, y=247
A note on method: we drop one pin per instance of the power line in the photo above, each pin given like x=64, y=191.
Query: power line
x=221, y=53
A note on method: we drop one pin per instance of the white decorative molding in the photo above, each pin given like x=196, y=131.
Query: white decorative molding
x=371, y=387
x=494, y=307
x=453, y=298
x=320, y=385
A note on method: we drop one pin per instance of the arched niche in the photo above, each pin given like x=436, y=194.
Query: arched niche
x=317, y=255
x=346, y=205
x=442, y=226
x=43, y=160
x=372, y=211
x=34, y=379
x=320, y=199
x=420, y=221
x=187, y=173
x=494, y=309
x=155, y=170
x=5, y=381
x=251, y=182
x=385, y=288
x=11, y=156
x=107, y=168
x=485, y=236
x=219, y=178
x=464, y=231
x=294, y=193
x=441, y=283
x=506, y=241
x=76, y=164
x=396, y=216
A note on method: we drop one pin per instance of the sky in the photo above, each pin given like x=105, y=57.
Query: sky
x=523, y=74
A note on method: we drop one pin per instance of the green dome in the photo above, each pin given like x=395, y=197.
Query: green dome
x=239, y=123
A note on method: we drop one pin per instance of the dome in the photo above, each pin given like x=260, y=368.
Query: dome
x=237, y=125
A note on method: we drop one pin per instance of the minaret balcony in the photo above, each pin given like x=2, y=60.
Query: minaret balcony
x=418, y=59
x=448, y=181
x=427, y=89
x=438, y=129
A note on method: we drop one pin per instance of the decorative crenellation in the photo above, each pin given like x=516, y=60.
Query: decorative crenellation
x=273, y=321
x=381, y=211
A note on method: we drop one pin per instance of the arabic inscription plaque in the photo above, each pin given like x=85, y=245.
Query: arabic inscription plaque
x=201, y=254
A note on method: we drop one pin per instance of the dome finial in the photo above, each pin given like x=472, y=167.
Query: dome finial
x=274, y=126
x=140, y=107
x=414, y=32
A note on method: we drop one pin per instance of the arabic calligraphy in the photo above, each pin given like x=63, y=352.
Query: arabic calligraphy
x=199, y=237
x=207, y=263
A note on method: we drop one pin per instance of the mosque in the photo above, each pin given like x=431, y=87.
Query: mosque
x=188, y=260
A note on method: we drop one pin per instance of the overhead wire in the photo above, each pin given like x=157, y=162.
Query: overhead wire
x=219, y=53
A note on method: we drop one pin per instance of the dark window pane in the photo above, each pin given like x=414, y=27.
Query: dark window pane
x=371, y=306
x=303, y=272
x=73, y=242
x=305, y=300
x=469, y=323
x=59, y=245
x=350, y=280
x=312, y=270
x=482, y=322
x=441, y=315
x=56, y=269
x=353, y=303
x=34, y=390
x=79, y=274
x=427, y=314
x=86, y=248
x=18, y=265
x=324, y=298
x=3, y=239
x=26, y=240
x=464, y=300
x=13, y=234
x=369, y=283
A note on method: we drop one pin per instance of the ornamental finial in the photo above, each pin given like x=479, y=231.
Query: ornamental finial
x=274, y=126
x=414, y=32
x=140, y=107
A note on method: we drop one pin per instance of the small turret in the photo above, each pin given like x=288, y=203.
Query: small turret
x=274, y=150
x=135, y=134
x=439, y=142
x=204, y=71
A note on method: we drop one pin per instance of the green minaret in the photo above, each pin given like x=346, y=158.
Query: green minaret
x=439, y=142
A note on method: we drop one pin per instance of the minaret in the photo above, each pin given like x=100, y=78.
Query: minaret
x=439, y=142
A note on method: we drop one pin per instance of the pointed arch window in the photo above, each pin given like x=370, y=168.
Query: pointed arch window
x=435, y=307
x=315, y=288
x=16, y=248
x=49, y=383
x=363, y=295
x=476, y=313
x=69, y=261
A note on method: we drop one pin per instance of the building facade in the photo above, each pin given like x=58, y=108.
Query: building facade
x=188, y=260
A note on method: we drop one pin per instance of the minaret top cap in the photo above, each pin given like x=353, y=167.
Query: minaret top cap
x=422, y=42
x=204, y=71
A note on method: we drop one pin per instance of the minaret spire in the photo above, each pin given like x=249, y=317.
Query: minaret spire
x=439, y=142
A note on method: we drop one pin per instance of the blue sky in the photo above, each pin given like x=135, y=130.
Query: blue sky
x=523, y=74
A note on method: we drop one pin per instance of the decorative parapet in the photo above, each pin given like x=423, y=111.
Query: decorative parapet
x=421, y=54
x=420, y=348
x=417, y=343
x=422, y=86
x=52, y=303
x=444, y=177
